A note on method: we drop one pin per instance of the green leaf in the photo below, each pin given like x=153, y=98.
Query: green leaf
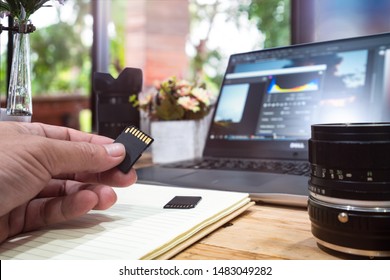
x=37, y=5
x=169, y=110
x=14, y=8
x=4, y=7
x=133, y=99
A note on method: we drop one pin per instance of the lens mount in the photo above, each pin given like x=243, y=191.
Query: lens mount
x=360, y=231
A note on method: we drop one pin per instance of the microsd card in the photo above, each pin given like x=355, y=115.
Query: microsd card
x=135, y=142
x=183, y=202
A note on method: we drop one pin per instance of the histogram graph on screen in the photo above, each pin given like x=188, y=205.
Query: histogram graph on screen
x=312, y=85
x=297, y=82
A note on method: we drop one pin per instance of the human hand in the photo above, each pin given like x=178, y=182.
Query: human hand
x=50, y=174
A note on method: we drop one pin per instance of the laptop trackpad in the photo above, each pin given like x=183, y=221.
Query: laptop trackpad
x=225, y=179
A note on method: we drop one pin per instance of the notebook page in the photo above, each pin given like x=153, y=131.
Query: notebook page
x=136, y=226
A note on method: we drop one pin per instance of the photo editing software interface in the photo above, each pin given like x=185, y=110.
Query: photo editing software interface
x=277, y=94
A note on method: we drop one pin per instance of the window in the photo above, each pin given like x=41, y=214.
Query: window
x=60, y=57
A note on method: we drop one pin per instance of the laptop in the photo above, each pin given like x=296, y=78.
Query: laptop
x=267, y=103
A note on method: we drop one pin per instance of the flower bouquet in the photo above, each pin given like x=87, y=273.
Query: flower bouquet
x=175, y=99
x=176, y=110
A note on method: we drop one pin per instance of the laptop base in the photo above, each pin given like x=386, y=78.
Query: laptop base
x=288, y=190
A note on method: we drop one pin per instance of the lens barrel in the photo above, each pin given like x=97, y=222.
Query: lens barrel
x=349, y=187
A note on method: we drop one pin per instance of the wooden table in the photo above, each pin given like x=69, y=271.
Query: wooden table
x=262, y=232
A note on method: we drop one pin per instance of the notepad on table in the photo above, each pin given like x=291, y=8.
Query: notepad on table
x=136, y=227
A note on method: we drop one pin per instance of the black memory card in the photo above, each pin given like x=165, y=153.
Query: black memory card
x=183, y=202
x=135, y=142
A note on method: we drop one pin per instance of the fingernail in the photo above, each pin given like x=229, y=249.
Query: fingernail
x=115, y=149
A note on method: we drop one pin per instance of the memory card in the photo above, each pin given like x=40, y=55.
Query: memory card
x=135, y=142
x=183, y=202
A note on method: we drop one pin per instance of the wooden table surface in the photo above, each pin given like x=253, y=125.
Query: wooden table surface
x=262, y=232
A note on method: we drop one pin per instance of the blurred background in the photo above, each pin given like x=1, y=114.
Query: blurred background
x=191, y=39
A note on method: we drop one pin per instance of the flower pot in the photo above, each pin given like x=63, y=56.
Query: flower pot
x=178, y=140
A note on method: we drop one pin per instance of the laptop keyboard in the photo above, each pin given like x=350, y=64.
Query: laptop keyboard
x=270, y=166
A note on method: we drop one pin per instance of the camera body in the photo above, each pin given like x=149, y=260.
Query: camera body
x=113, y=108
x=349, y=187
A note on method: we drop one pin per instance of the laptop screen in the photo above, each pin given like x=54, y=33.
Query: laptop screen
x=269, y=98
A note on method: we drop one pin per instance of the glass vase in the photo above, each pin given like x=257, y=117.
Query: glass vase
x=19, y=101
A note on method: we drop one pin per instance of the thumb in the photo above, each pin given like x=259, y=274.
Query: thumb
x=115, y=150
x=82, y=157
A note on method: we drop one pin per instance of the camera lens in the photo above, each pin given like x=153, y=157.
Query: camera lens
x=349, y=187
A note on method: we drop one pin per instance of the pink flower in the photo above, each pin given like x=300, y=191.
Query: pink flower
x=184, y=90
x=189, y=103
x=202, y=95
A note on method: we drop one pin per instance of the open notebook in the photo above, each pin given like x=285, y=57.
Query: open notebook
x=136, y=227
